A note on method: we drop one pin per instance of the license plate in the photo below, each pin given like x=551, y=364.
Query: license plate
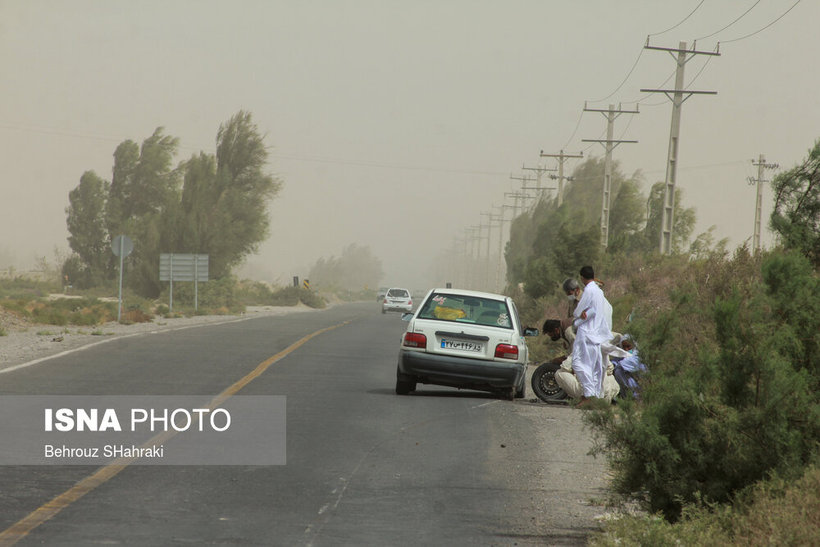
x=462, y=345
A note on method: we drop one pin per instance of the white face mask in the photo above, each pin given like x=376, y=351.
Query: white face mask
x=571, y=297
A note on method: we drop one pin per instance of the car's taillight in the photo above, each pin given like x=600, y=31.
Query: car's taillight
x=506, y=351
x=415, y=340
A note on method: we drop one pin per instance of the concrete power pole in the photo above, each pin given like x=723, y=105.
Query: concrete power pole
x=477, y=270
x=500, y=219
x=469, y=269
x=609, y=145
x=490, y=219
x=677, y=97
x=761, y=165
x=539, y=172
x=561, y=159
x=518, y=195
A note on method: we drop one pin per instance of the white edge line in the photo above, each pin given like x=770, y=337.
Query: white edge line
x=119, y=337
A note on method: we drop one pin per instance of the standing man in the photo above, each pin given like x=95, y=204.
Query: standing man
x=593, y=328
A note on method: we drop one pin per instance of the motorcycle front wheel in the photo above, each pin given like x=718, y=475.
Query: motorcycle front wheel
x=544, y=385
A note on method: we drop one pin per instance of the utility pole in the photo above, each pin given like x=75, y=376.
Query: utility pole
x=501, y=220
x=540, y=191
x=470, y=271
x=609, y=145
x=517, y=195
x=561, y=159
x=477, y=282
x=490, y=219
x=677, y=97
x=539, y=172
x=525, y=181
x=761, y=165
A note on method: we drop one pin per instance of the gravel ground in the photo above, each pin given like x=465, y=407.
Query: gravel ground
x=24, y=342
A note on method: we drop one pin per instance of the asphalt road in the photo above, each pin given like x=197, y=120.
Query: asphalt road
x=364, y=466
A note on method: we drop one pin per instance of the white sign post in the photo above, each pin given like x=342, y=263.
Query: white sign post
x=183, y=267
x=121, y=246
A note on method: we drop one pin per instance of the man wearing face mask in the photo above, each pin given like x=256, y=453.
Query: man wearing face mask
x=574, y=291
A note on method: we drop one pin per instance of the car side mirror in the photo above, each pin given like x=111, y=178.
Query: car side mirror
x=531, y=331
x=406, y=316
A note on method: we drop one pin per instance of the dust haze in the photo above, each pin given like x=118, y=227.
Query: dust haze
x=392, y=124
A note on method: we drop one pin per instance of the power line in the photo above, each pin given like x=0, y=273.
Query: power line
x=629, y=73
x=700, y=71
x=383, y=165
x=681, y=21
x=631, y=70
x=730, y=24
x=577, y=125
x=764, y=28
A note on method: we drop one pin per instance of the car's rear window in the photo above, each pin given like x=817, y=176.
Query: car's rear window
x=398, y=293
x=466, y=309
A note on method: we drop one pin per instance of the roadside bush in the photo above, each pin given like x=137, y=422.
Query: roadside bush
x=26, y=289
x=733, y=391
x=49, y=316
x=216, y=296
x=292, y=296
x=772, y=512
x=311, y=299
x=287, y=296
x=253, y=293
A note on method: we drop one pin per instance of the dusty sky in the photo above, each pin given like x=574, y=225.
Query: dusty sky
x=381, y=114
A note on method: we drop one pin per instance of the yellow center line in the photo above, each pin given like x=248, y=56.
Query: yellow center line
x=24, y=526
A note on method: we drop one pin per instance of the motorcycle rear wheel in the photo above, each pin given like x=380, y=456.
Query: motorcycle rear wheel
x=544, y=385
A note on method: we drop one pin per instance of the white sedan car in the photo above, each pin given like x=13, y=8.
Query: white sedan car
x=465, y=339
x=397, y=300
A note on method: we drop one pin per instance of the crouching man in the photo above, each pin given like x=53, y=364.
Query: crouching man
x=565, y=376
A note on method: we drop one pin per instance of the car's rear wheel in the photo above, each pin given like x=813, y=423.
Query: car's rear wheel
x=508, y=393
x=544, y=385
x=405, y=384
x=521, y=391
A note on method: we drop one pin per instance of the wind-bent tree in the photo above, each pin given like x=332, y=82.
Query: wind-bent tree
x=550, y=243
x=85, y=217
x=683, y=221
x=220, y=209
x=144, y=189
x=223, y=210
x=796, y=214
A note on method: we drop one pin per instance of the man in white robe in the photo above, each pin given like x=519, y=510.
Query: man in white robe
x=593, y=328
x=565, y=376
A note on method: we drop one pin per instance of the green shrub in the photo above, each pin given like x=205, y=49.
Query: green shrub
x=772, y=512
x=733, y=389
x=217, y=296
x=312, y=299
x=288, y=296
x=50, y=316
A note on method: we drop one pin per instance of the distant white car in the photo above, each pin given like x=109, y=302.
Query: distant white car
x=465, y=339
x=397, y=300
